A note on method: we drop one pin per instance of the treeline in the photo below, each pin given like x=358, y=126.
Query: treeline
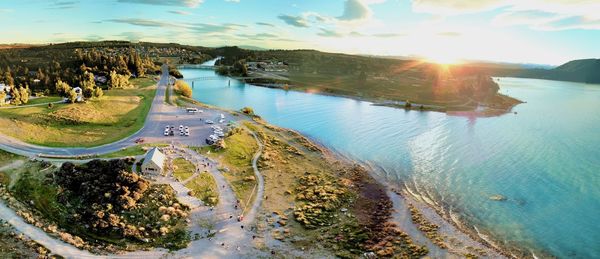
x=56, y=69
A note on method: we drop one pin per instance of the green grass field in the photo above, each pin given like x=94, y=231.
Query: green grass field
x=120, y=113
x=237, y=157
x=45, y=99
x=183, y=169
x=204, y=187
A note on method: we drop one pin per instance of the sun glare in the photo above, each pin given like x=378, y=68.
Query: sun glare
x=444, y=59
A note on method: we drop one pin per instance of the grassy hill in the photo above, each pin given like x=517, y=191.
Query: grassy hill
x=582, y=70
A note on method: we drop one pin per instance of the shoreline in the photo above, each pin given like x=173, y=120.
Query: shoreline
x=401, y=216
x=487, y=112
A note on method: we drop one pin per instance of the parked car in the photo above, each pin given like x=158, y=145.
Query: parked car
x=180, y=127
x=167, y=132
x=171, y=133
x=210, y=122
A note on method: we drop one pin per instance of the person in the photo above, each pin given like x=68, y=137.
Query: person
x=242, y=226
x=253, y=237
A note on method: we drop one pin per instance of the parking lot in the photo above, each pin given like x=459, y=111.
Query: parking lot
x=196, y=122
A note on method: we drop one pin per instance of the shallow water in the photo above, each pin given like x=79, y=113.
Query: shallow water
x=545, y=160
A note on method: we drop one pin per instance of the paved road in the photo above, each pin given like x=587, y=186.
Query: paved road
x=159, y=116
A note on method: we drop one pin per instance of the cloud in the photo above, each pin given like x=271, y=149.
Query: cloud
x=6, y=10
x=94, y=37
x=179, y=12
x=297, y=21
x=143, y=22
x=536, y=14
x=265, y=24
x=455, y=7
x=338, y=34
x=355, y=10
x=187, y=3
x=204, y=28
x=132, y=36
x=62, y=5
x=330, y=33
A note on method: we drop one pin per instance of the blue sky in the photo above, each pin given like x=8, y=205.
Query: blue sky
x=531, y=31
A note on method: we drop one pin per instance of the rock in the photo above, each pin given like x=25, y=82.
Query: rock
x=497, y=197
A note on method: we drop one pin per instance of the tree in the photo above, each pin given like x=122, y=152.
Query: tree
x=2, y=97
x=16, y=96
x=62, y=88
x=72, y=96
x=98, y=92
x=24, y=93
x=239, y=68
x=181, y=87
x=112, y=81
x=8, y=79
x=88, y=84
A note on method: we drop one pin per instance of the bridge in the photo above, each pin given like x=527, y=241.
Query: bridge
x=197, y=66
x=205, y=78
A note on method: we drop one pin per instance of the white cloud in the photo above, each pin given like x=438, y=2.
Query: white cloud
x=188, y=3
x=355, y=10
x=536, y=14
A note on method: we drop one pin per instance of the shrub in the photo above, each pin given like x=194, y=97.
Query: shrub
x=181, y=87
x=248, y=111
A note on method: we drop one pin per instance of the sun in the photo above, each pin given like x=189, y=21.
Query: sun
x=444, y=59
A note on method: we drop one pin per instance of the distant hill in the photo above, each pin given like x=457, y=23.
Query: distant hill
x=583, y=71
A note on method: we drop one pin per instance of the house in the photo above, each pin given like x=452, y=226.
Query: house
x=79, y=93
x=154, y=162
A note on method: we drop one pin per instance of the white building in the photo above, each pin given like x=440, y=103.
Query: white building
x=79, y=93
x=154, y=162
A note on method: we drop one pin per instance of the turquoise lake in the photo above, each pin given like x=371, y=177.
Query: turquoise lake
x=545, y=159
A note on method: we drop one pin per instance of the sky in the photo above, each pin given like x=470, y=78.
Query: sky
x=521, y=31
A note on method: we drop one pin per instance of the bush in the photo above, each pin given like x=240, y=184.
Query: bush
x=181, y=87
x=248, y=111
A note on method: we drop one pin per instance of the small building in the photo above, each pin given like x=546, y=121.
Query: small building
x=154, y=162
x=79, y=93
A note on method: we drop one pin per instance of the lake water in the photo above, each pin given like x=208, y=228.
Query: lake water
x=545, y=160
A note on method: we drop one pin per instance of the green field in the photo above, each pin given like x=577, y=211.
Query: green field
x=204, y=187
x=183, y=169
x=120, y=113
x=237, y=158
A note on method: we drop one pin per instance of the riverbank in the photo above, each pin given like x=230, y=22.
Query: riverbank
x=500, y=105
